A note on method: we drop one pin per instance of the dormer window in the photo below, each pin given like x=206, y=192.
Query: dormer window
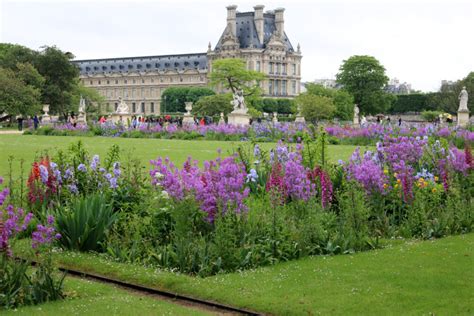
x=130, y=66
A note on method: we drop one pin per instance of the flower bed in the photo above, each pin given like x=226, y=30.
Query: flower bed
x=288, y=131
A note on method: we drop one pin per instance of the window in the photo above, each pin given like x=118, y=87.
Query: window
x=125, y=81
x=91, y=82
x=270, y=87
x=108, y=81
x=283, y=69
x=116, y=106
x=270, y=68
x=293, y=86
x=143, y=80
x=283, y=87
x=98, y=82
x=278, y=66
x=134, y=107
x=152, y=80
x=277, y=87
x=257, y=66
x=133, y=81
x=143, y=107
x=116, y=81
x=152, y=107
x=294, y=69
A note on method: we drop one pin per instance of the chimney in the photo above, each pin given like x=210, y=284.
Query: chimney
x=231, y=12
x=259, y=21
x=279, y=21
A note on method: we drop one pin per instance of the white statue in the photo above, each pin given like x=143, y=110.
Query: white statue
x=122, y=107
x=463, y=97
x=238, y=102
x=82, y=105
x=355, y=120
x=46, y=109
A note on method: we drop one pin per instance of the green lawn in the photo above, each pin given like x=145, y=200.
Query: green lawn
x=28, y=147
x=94, y=298
x=406, y=278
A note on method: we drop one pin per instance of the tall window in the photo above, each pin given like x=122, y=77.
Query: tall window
x=116, y=81
x=143, y=107
x=257, y=68
x=294, y=69
x=283, y=68
x=134, y=107
x=152, y=107
x=125, y=81
x=278, y=66
x=277, y=87
x=293, y=86
x=283, y=87
x=270, y=69
x=98, y=82
x=116, y=106
x=270, y=87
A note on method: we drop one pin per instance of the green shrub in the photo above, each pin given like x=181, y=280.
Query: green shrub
x=84, y=225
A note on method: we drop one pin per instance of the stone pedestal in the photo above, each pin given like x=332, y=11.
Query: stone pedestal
x=300, y=119
x=188, y=119
x=355, y=121
x=81, y=119
x=463, y=118
x=238, y=119
x=124, y=119
x=221, y=119
x=275, y=117
x=45, y=119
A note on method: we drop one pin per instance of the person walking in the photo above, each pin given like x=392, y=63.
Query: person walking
x=35, y=122
x=20, y=123
x=399, y=121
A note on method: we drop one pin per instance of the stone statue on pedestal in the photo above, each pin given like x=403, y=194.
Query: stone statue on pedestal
x=463, y=111
x=45, y=118
x=81, y=118
x=239, y=115
x=122, y=107
x=221, y=119
x=275, y=117
x=356, y=115
x=188, y=118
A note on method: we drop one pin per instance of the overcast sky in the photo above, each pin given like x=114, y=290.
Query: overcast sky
x=420, y=42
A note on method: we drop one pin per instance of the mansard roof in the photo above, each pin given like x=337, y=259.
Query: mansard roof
x=176, y=63
x=246, y=31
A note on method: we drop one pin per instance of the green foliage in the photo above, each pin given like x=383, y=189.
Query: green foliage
x=231, y=74
x=430, y=116
x=18, y=90
x=173, y=98
x=60, y=75
x=213, y=105
x=84, y=225
x=364, y=77
x=315, y=108
x=343, y=101
x=94, y=100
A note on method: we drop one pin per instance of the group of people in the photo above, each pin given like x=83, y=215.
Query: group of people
x=20, y=120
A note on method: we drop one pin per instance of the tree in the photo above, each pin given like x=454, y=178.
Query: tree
x=11, y=55
x=364, y=77
x=175, y=97
x=232, y=74
x=94, y=100
x=315, y=107
x=16, y=96
x=213, y=105
x=60, y=75
x=343, y=100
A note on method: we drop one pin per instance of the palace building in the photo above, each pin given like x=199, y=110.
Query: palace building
x=258, y=37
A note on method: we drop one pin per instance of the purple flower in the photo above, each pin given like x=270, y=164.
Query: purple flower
x=95, y=162
x=73, y=188
x=44, y=234
x=116, y=169
x=44, y=174
x=256, y=151
x=82, y=168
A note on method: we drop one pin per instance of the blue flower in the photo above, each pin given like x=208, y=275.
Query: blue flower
x=44, y=174
x=82, y=168
x=252, y=176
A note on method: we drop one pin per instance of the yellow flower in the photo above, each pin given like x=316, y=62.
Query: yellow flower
x=396, y=186
x=436, y=178
x=385, y=171
x=421, y=180
x=433, y=190
x=395, y=175
x=385, y=185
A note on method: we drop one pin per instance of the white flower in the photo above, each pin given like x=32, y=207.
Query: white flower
x=159, y=176
x=165, y=195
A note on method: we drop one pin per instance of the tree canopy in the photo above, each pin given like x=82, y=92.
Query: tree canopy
x=316, y=107
x=213, y=105
x=343, y=101
x=232, y=74
x=364, y=77
x=173, y=98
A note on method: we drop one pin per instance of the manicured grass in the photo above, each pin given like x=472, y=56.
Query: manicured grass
x=92, y=298
x=406, y=278
x=27, y=147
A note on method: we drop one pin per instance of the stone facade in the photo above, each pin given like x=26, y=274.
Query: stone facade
x=257, y=37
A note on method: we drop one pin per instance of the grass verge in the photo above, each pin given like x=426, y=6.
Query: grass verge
x=409, y=278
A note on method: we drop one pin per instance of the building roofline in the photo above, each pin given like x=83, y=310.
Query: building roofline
x=137, y=57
